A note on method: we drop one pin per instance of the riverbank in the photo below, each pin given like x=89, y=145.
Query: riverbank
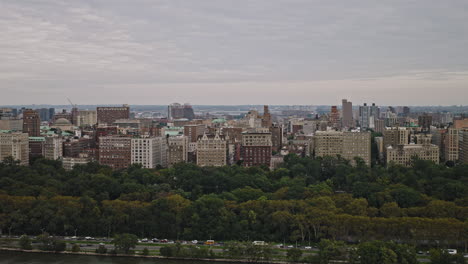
x=175, y=259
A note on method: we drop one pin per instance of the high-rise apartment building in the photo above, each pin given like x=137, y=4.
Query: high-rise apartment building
x=53, y=148
x=406, y=111
x=11, y=124
x=347, y=114
x=334, y=117
x=464, y=146
x=276, y=131
x=425, y=122
x=31, y=123
x=115, y=151
x=177, y=149
x=46, y=114
x=423, y=139
x=177, y=111
x=256, y=148
x=395, y=136
x=364, y=116
x=36, y=147
x=7, y=113
x=348, y=145
x=375, y=111
x=73, y=147
x=357, y=144
x=211, y=150
x=451, y=144
x=266, y=119
x=328, y=143
x=108, y=115
x=367, y=115
x=149, y=152
x=403, y=154
x=193, y=132
x=379, y=125
x=86, y=118
x=16, y=145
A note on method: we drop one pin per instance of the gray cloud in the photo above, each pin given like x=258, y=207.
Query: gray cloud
x=233, y=52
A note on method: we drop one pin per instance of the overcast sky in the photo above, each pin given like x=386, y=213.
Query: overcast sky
x=392, y=52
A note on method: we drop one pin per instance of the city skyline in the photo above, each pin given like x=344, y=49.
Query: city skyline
x=214, y=53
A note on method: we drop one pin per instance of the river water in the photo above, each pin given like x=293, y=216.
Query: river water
x=41, y=258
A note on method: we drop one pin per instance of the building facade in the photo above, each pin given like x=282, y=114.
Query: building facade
x=108, y=115
x=31, y=123
x=86, y=118
x=193, y=132
x=177, y=149
x=256, y=148
x=357, y=144
x=115, y=151
x=53, y=148
x=149, y=152
x=347, y=113
x=348, y=145
x=211, y=150
x=16, y=145
x=404, y=154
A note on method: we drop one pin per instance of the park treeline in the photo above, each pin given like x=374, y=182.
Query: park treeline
x=304, y=200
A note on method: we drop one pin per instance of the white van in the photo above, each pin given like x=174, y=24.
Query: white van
x=259, y=243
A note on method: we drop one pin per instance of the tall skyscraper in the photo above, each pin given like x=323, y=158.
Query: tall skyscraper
x=364, y=116
x=347, y=113
x=367, y=115
x=31, y=123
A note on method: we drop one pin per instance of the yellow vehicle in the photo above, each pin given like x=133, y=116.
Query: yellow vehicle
x=209, y=242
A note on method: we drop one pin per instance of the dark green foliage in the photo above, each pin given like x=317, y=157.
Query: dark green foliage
x=125, y=242
x=145, y=252
x=25, y=242
x=304, y=200
x=386, y=252
x=331, y=250
x=50, y=243
x=294, y=255
x=101, y=249
x=75, y=248
x=440, y=256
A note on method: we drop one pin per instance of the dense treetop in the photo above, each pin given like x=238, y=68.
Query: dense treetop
x=305, y=199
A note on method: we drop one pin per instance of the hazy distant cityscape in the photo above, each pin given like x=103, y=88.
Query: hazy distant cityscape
x=245, y=134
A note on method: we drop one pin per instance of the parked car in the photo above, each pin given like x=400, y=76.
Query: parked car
x=452, y=251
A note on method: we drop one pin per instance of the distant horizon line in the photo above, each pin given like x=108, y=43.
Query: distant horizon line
x=68, y=105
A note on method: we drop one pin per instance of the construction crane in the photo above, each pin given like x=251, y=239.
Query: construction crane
x=73, y=105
